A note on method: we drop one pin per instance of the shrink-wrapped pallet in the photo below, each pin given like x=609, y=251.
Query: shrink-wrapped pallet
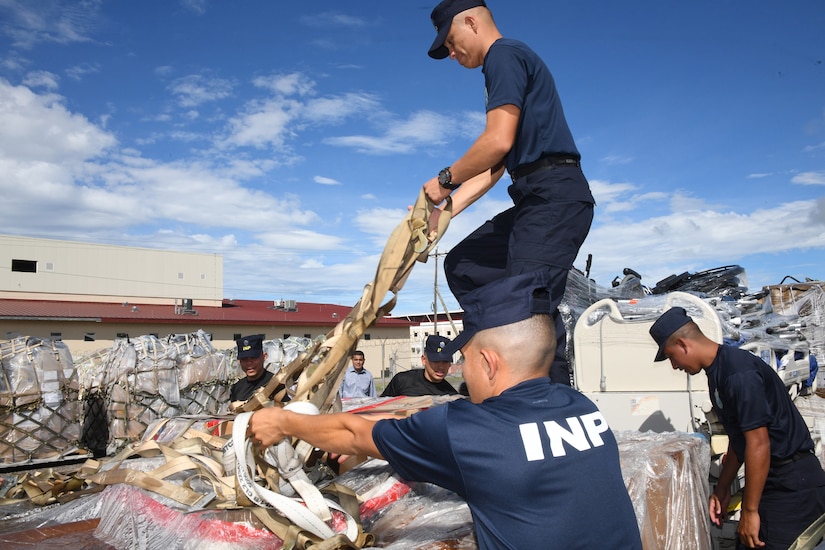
x=667, y=478
x=147, y=378
x=38, y=400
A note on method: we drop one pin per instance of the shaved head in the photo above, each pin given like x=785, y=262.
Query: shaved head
x=527, y=346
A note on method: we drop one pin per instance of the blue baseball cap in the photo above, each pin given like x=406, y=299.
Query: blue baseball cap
x=670, y=321
x=504, y=302
x=442, y=17
x=250, y=346
x=435, y=348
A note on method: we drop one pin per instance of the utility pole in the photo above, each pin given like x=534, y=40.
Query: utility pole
x=435, y=255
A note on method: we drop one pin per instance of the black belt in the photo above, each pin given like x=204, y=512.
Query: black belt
x=777, y=462
x=542, y=163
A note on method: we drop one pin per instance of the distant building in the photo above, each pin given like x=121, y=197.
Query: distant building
x=87, y=295
x=448, y=325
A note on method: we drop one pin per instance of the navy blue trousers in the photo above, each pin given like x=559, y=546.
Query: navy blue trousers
x=543, y=231
x=793, y=498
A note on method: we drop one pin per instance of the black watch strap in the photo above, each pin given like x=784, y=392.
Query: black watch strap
x=445, y=180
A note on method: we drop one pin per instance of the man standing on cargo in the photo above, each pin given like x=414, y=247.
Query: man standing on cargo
x=535, y=461
x=526, y=133
x=784, y=482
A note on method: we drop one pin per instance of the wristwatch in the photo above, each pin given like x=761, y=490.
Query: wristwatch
x=445, y=180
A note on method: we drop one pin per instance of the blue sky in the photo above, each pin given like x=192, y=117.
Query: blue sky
x=289, y=137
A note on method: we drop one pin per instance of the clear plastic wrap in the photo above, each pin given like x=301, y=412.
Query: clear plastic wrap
x=132, y=519
x=667, y=479
x=410, y=516
x=39, y=411
x=24, y=516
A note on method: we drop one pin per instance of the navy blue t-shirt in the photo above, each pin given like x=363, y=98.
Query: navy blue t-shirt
x=747, y=394
x=537, y=465
x=515, y=75
x=413, y=383
x=243, y=389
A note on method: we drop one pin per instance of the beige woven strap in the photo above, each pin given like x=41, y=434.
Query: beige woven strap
x=180, y=494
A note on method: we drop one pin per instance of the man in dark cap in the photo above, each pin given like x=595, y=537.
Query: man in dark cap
x=526, y=133
x=429, y=380
x=251, y=357
x=784, y=482
x=535, y=461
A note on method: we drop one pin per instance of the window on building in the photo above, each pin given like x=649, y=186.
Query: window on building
x=122, y=334
x=24, y=266
x=287, y=336
x=57, y=336
x=415, y=334
x=236, y=336
x=367, y=336
x=89, y=337
x=307, y=336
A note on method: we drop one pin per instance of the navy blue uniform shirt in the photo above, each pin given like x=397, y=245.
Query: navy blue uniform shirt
x=515, y=75
x=537, y=465
x=747, y=394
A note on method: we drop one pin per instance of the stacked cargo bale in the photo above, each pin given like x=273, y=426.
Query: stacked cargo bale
x=203, y=374
x=38, y=400
x=145, y=378
x=142, y=379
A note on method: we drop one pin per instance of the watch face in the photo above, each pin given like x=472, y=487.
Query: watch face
x=445, y=177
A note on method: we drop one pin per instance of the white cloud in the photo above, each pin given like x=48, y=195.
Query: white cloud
x=286, y=84
x=701, y=238
x=334, y=109
x=198, y=7
x=334, y=19
x=42, y=79
x=77, y=72
x=194, y=90
x=615, y=160
x=39, y=128
x=326, y=181
x=809, y=178
x=423, y=128
x=29, y=23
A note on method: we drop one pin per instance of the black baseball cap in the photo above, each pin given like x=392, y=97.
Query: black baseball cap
x=504, y=302
x=442, y=17
x=250, y=346
x=670, y=321
x=435, y=348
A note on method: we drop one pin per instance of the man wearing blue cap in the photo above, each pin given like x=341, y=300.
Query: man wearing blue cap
x=784, y=482
x=251, y=357
x=427, y=381
x=535, y=461
x=526, y=132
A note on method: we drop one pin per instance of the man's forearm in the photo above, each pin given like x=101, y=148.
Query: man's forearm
x=340, y=433
x=729, y=469
x=757, y=463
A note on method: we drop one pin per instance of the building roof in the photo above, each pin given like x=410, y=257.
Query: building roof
x=235, y=312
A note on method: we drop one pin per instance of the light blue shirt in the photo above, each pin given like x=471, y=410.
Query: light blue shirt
x=357, y=384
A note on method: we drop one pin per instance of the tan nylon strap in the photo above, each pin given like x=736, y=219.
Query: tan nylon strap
x=143, y=480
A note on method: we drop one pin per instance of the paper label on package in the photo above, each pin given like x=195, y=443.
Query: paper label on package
x=644, y=406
